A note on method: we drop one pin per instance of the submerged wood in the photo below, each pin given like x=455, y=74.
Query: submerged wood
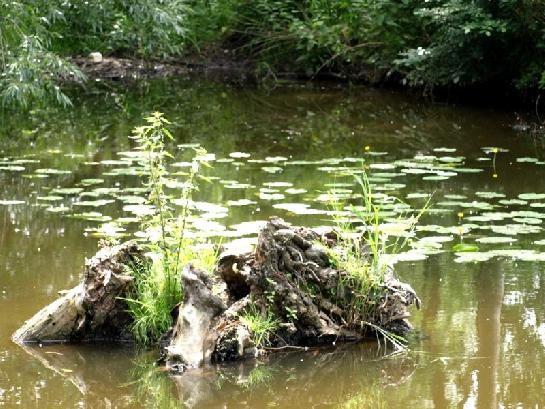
x=289, y=277
x=94, y=310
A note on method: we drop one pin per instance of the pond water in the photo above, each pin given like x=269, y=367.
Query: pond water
x=68, y=177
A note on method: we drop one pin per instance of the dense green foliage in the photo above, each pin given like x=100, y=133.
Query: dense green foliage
x=421, y=42
x=37, y=35
x=418, y=42
x=29, y=69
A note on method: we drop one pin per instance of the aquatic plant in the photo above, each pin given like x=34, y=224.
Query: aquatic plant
x=153, y=387
x=362, y=253
x=370, y=397
x=261, y=375
x=158, y=286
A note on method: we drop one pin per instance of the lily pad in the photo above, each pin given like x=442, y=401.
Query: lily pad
x=112, y=162
x=464, y=247
x=297, y=208
x=271, y=196
x=436, y=239
x=202, y=206
x=472, y=257
x=140, y=209
x=489, y=195
x=52, y=172
x=510, y=202
x=246, y=228
x=129, y=199
x=67, y=191
x=382, y=166
x=49, y=198
x=469, y=170
x=11, y=202
x=107, y=230
x=94, y=203
x=240, y=202
x=531, y=196
x=13, y=168
x=239, y=186
x=239, y=155
x=527, y=160
x=271, y=169
x=90, y=216
x=418, y=196
x=496, y=240
x=91, y=182
x=415, y=171
x=57, y=209
x=278, y=184
x=273, y=159
x=494, y=149
x=295, y=191
x=527, y=220
x=513, y=229
x=451, y=159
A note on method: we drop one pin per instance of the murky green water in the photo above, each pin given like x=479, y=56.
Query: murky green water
x=65, y=178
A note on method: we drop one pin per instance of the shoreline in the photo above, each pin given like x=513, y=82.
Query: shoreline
x=525, y=108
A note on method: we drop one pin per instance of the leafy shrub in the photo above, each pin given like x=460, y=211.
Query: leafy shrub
x=29, y=70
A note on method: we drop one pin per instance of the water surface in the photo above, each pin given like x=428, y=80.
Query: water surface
x=479, y=341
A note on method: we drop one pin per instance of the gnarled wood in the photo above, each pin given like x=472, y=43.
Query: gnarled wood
x=290, y=277
x=192, y=339
x=94, y=310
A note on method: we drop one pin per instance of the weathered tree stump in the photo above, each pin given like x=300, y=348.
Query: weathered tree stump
x=94, y=310
x=291, y=277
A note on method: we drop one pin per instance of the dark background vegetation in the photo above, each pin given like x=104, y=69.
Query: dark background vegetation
x=429, y=44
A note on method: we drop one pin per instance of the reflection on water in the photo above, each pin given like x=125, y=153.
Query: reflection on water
x=480, y=338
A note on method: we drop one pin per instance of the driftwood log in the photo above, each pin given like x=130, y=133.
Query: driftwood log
x=94, y=310
x=288, y=276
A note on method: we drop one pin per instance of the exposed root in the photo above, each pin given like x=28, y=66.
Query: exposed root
x=290, y=277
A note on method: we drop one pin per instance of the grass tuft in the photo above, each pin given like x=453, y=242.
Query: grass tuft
x=260, y=324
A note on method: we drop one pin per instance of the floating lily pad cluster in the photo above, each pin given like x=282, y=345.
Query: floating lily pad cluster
x=244, y=190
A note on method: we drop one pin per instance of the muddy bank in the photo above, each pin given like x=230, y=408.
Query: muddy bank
x=223, y=68
x=287, y=294
x=221, y=65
